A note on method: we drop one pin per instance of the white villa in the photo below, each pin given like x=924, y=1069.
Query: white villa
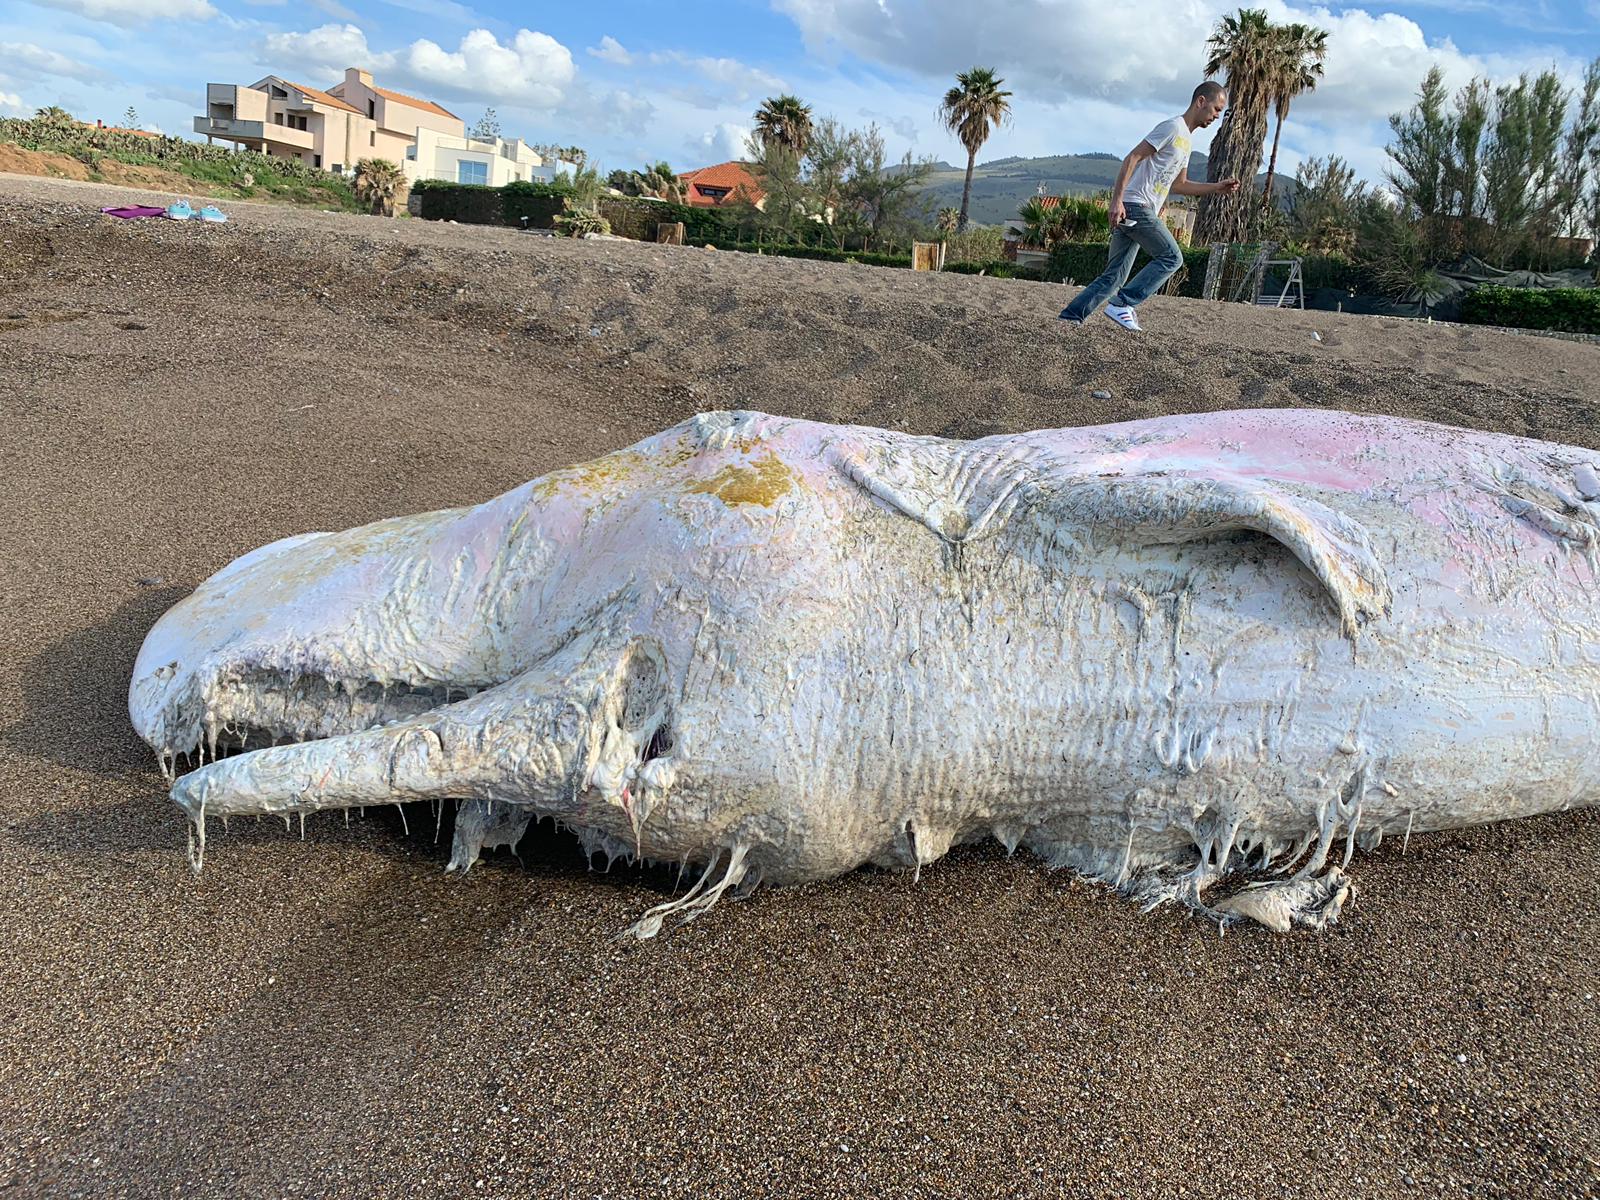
x=492, y=162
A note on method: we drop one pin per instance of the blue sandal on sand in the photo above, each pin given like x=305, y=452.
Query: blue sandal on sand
x=180, y=211
x=212, y=213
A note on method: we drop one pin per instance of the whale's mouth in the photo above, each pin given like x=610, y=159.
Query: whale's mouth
x=242, y=709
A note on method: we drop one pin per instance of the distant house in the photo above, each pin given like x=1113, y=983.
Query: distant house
x=331, y=129
x=720, y=185
x=144, y=133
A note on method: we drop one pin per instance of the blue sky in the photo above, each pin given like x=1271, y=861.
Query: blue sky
x=634, y=81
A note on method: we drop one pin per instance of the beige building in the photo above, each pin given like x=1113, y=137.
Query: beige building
x=334, y=130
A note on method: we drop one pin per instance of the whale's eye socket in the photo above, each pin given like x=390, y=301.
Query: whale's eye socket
x=642, y=692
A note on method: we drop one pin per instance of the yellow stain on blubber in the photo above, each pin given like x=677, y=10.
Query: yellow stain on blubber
x=761, y=482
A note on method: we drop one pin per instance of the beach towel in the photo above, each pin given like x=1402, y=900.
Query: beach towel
x=129, y=212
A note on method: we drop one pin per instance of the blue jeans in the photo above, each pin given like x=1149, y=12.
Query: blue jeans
x=1148, y=233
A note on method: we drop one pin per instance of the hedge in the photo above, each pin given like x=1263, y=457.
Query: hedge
x=635, y=218
x=825, y=253
x=998, y=269
x=470, y=203
x=1568, y=310
x=1084, y=261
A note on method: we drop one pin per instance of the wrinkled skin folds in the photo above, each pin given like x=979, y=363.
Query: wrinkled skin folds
x=1162, y=653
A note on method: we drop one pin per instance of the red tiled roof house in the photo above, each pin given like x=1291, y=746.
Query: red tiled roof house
x=721, y=185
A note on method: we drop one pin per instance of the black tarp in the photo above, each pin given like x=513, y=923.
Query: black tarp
x=1442, y=300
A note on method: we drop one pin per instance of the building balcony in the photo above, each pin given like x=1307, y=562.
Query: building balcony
x=254, y=131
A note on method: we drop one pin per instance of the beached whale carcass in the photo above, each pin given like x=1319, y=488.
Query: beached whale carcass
x=1160, y=653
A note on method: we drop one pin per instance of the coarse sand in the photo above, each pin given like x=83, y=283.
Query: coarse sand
x=334, y=1016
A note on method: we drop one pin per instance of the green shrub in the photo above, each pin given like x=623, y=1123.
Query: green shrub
x=997, y=269
x=980, y=244
x=1084, y=261
x=582, y=222
x=241, y=170
x=468, y=203
x=1568, y=310
x=637, y=218
x=541, y=203
x=824, y=253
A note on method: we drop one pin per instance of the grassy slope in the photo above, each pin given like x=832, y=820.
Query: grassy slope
x=196, y=178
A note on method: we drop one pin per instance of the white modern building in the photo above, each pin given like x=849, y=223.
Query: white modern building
x=492, y=162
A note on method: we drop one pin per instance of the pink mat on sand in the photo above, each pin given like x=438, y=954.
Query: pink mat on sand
x=130, y=211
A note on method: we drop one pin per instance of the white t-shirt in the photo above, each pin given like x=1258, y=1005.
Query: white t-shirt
x=1152, y=178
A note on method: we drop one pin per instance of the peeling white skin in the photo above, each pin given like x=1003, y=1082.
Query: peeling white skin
x=1160, y=653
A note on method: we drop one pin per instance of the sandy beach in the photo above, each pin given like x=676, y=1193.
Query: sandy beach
x=336, y=1017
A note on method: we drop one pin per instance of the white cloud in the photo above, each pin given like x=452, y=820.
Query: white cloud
x=11, y=105
x=136, y=12
x=902, y=125
x=533, y=68
x=1078, y=49
x=710, y=82
x=325, y=48
x=24, y=58
x=725, y=143
x=612, y=51
x=611, y=112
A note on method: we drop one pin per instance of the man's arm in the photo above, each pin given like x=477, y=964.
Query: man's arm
x=1135, y=156
x=1181, y=186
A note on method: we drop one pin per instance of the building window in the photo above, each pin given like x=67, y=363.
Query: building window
x=278, y=117
x=372, y=138
x=338, y=168
x=316, y=160
x=468, y=171
x=372, y=108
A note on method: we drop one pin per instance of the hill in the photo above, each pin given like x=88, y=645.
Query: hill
x=1002, y=185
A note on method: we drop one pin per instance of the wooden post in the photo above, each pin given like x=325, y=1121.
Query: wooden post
x=927, y=256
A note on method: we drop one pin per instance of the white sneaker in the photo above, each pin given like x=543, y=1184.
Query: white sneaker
x=1124, y=317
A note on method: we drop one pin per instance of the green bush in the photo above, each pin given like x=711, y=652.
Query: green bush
x=1084, y=261
x=541, y=203
x=997, y=269
x=823, y=253
x=468, y=203
x=980, y=244
x=1568, y=310
x=283, y=178
x=581, y=223
x=637, y=218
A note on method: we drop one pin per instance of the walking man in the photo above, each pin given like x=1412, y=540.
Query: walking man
x=1156, y=166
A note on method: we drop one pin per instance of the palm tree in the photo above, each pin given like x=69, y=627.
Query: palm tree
x=660, y=181
x=54, y=115
x=1303, y=49
x=1245, y=45
x=973, y=109
x=376, y=184
x=1041, y=225
x=949, y=220
x=784, y=121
